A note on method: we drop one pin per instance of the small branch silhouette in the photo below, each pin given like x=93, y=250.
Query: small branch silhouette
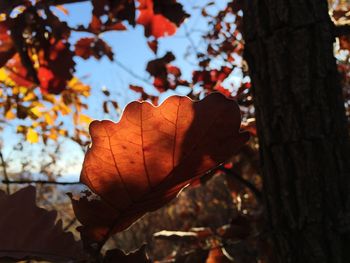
x=245, y=182
x=8, y=182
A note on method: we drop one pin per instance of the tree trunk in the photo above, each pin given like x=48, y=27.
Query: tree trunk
x=302, y=128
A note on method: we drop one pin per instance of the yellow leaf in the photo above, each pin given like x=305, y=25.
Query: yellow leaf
x=50, y=98
x=4, y=78
x=29, y=96
x=36, y=111
x=21, y=129
x=32, y=136
x=2, y=17
x=76, y=85
x=64, y=109
x=50, y=120
x=84, y=119
x=35, y=124
x=63, y=132
x=53, y=134
x=10, y=115
x=23, y=90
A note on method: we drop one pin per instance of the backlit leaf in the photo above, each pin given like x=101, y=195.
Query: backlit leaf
x=143, y=162
x=32, y=136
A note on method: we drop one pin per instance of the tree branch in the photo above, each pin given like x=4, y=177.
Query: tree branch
x=132, y=73
x=72, y=222
x=8, y=182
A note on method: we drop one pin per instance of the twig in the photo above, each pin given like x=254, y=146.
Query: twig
x=3, y=164
x=132, y=73
x=70, y=224
x=8, y=182
x=188, y=36
x=245, y=182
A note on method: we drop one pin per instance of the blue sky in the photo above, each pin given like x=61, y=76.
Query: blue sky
x=130, y=49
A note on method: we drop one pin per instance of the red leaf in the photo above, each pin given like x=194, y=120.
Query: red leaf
x=7, y=48
x=18, y=73
x=166, y=76
x=142, y=162
x=97, y=27
x=136, y=88
x=173, y=70
x=209, y=79
x=52, y=75
x=155, y=24
x=153, y=45
x=223, y=91
x=158, y=67
x=30, y=232
x=90, y=46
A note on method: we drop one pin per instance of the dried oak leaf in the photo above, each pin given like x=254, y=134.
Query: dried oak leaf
x=30, y=232
x=93, y=47
x=142, y=162
x=155, y=25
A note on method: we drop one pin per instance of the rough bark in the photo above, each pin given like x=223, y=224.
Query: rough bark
x=302, y=128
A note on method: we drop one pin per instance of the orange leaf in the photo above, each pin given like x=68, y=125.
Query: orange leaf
x=143, y=162
x=155, y=24
x=30, y=232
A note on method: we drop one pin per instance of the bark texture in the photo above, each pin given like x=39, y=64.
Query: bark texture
x=302, y=128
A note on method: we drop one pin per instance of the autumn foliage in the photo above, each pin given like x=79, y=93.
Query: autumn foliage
x=195, y=147
x=123, y=165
